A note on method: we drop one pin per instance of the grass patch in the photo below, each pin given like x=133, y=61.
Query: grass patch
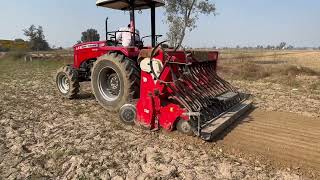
x=244, y=71
x=282, y=73
x=253, y=71
x=18, y=69
x=315, y=86
x=17, y=54
x=291, y=70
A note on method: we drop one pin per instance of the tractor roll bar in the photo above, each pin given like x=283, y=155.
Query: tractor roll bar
x=132, y=5
x=107, y=28
x=153, y=25
x=126, y=4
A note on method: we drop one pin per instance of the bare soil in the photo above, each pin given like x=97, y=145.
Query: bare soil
x=45, y=136
x=2, y=54
x=270, y=96
x=286, y=138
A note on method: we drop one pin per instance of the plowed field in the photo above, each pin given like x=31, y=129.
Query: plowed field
x=43, y=136
x=283, y=137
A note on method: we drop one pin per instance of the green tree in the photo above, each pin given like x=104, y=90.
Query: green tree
x=90, y=35
x=290, y=47
x=182, y=15
x=3, y=49
x=19, y=40
x=282, y=45
x=36, y=37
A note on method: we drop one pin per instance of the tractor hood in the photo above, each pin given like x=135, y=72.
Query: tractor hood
x=124, y=4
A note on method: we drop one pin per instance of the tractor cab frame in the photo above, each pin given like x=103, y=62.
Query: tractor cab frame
x=132, y=6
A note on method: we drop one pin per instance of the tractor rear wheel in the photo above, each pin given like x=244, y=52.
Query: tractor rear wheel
x=67, y=82
x=115, y=80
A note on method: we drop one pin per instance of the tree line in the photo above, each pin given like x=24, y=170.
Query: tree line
x=281, y=46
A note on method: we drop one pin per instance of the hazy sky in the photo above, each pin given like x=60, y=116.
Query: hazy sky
x=240, y=22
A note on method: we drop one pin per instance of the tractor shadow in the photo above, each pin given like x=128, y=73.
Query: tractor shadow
x=244, y=119
x=85, y=96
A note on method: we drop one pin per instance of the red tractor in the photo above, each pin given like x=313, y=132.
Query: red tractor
x=154, y=87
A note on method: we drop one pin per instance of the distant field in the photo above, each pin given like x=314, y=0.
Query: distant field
x=310, y=59
x=296, y=69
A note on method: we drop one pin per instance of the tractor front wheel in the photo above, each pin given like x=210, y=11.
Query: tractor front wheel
x=67, y=82
x=115, y=80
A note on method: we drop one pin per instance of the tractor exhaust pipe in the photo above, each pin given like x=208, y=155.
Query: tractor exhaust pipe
x=107, y=28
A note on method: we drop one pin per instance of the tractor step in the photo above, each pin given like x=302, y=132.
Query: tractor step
x=219, y=124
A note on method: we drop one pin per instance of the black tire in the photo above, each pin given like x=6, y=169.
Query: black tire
x=68, y=74
x=128, y=114
x=184, y=127
x=124, y=84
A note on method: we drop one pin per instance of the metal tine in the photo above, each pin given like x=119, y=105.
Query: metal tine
x=191, y=100
x=202, y=81
x=209, y=95
x=209, y=109
x=222, y=81
x=213, y=77
x=203, y=91
x=197, y=88
x=183, y=88
x=196, y=85
x=182, y=102
x=210, y=83
x=187, y=91
x=212, y=91
x=217, y=84
x=197, y=92
x=211, y=87
x=181, y=98
x=211, y=80
x=221, y=86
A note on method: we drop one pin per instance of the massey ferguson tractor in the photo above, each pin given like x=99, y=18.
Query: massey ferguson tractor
x=154, y=87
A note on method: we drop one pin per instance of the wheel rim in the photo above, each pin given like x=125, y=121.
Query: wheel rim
x=63, y=83
x=109, y=84
x=185, y=127
x=128, y=113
